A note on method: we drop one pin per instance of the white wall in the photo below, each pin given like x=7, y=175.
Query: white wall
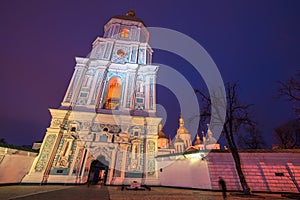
x=14, y=164
x=192, y=173
x=259, y=169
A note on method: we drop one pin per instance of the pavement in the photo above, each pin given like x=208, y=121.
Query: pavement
x=45, y=192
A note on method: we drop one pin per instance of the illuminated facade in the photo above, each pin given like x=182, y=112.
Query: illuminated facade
x=106, y=125
x=106, y=128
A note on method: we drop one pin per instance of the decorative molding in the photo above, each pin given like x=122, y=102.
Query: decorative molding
x=45, y=153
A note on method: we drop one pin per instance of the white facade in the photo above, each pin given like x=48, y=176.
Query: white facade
x=106, y=125
x=107, y=114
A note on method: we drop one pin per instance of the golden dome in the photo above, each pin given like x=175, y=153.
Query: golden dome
x=182, y=129
x=210, y=139
x=181, y=122
x=130, y=13
x=198, y=141
x=161, y=134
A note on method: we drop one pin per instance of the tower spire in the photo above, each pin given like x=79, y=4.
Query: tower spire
x=203, y=137
x=181, y=121
x=209, y=132
x=198, y=141
x=160, y=127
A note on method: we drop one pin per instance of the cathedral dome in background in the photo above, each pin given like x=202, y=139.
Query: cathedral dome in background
x=182, y=130
x=161, y=134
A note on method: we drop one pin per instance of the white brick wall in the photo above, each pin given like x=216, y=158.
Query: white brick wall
x=259, y=170
x=14, y=164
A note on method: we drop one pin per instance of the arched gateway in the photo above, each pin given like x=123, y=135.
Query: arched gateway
x=98, y=171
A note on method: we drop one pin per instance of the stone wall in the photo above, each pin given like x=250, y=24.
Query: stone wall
x=14, y=164
x=272, y=171
x=190, y=173
x=269, y=171
x=222, y=164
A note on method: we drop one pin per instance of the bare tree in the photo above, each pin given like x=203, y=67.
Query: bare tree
x=237, y=117
x=253, y=139
x=287, y=135
x=290, y=90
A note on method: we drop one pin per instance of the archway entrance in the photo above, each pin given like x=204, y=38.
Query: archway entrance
x=98, y=171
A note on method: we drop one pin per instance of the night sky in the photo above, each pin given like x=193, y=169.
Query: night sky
x=253, y=42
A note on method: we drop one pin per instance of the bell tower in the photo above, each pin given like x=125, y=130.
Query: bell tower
x=117, y=75
x=107, y=113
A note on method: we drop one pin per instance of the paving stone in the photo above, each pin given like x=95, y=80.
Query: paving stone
x=24, y=192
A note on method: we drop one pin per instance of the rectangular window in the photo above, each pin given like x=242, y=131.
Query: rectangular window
x=124, y=33
x=140, y=100
x=279, y=174
x=83, y=94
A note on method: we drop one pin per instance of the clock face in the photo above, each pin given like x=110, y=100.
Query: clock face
x=121, y=52
x=120, y=55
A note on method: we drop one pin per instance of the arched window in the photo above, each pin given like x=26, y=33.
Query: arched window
x=113, y=93
x=103, y=138
x=124, y=33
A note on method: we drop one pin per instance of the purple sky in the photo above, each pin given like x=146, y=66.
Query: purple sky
x=253, y=42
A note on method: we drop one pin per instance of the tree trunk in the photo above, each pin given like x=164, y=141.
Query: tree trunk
x=237, y=161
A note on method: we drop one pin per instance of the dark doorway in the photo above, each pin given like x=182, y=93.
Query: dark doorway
x=98, y=172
